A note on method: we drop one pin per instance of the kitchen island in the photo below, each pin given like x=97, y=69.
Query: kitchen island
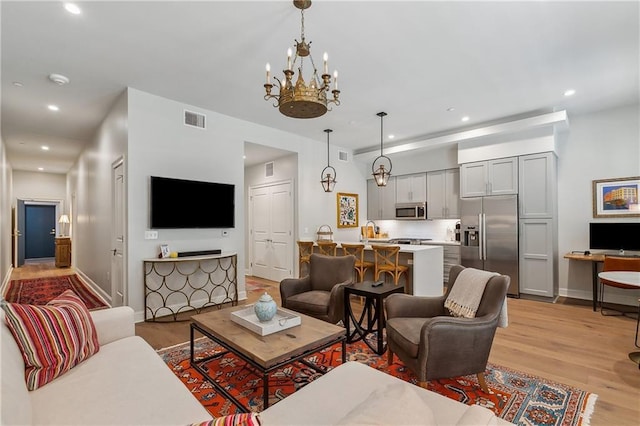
x=425, y=267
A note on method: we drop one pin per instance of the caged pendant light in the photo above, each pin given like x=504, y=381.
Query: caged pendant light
x=380, y=174
x=328, y=179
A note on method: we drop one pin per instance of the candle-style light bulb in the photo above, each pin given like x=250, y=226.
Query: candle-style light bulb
x=268, y=68
x=289, y=59
x=326, y=67
x=335, y=80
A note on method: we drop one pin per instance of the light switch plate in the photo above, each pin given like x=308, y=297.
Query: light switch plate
x=150, y=235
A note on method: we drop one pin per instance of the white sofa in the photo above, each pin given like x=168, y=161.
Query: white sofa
x=125, y=383
x=354, y=393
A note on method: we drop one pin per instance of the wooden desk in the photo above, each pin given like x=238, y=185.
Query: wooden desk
x=594, y=259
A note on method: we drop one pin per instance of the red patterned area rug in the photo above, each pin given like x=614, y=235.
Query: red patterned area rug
x=514, y=396
x=39, y=291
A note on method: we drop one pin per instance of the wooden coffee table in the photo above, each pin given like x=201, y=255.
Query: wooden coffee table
x=264, y=353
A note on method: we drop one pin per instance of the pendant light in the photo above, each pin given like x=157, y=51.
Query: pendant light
x=380, y=174
x=328, y=180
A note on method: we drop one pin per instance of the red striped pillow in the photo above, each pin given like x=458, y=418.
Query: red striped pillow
x=53, y=338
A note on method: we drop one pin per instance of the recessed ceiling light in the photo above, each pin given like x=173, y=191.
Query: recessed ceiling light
x=451, y=109
x=569, y=92
x=244, y=157
x=45, y=148
x=72, y=8
x=17, y=84
x=391, y=136
x=53, y=107
x=41, y=168
x=59, y=79
x=465, y=118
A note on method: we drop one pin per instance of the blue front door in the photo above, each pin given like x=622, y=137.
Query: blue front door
x=40, y=231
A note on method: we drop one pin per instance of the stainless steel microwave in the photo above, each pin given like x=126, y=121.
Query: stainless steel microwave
x=411, y=211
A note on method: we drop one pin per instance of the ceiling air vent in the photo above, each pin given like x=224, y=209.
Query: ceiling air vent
x=194, y=119
x=343, y=156
x=268, y=169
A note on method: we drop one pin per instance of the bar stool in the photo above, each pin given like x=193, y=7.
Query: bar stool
x=357, y=250
x=328, y=248
x=305, y=248
x=386, y=262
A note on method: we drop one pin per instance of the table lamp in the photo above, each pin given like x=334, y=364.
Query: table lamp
x=64, y=219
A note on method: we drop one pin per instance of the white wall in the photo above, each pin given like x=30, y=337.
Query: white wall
x=159, y=144
x=600, y=145
x=5, y=214
x=89, y=190
x=39, y=186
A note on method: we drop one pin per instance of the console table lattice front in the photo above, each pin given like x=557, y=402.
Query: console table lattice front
x=175, y=285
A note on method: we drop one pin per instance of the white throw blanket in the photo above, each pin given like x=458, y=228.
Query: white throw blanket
x=466, y=294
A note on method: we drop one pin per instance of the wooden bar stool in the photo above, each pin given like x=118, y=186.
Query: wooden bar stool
x=305, y=248
x=328, y=248
x=386, y=262
x=361, y=265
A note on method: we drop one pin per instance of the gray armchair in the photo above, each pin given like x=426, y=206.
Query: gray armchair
x=321, y=293
x=436, y=345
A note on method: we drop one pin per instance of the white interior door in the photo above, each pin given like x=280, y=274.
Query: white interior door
x=272, y=234
x=118, y=279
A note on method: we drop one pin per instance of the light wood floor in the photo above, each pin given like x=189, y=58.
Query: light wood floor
x=564, y=342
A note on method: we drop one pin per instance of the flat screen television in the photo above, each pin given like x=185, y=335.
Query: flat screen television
x=614, y=235
x=179, y=203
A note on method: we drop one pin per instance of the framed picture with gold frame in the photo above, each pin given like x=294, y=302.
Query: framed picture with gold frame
x=347, y=210
x=616, y=197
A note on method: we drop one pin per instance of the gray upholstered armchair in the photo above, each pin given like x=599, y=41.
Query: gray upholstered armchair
x=434, y=344
x=321, y=293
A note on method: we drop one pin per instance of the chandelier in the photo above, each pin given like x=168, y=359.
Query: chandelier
x=300, y=100
x=328, y=179
x=380, y=174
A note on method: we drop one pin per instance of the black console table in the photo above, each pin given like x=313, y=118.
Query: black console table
x=175, y=285
x=373, y=312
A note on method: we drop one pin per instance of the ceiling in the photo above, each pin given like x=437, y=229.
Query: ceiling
x=414, y=60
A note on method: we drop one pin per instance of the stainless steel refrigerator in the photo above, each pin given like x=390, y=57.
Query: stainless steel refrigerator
x=489, y=235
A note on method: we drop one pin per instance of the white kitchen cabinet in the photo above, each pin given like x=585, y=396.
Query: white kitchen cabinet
x=492, y=177
x=443, y=194
x=537, y=275
x=411, y=188
x=381, y=200
x=537, y=186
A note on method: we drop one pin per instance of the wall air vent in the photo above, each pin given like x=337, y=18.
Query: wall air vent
x=268, y=169
x=343, y=156
x=194, y=119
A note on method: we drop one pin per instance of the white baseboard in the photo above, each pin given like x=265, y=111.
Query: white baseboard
x=611, y=295
x=5, y=281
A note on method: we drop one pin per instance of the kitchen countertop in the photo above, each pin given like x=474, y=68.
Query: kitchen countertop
x=442, y=243
x=404, y=248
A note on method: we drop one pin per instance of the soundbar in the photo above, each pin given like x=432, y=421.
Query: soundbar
x=198, y=253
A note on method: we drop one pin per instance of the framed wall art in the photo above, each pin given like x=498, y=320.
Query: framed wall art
x=347, y=210
x=616, y=197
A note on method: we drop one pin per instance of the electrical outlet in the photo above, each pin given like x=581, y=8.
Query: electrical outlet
x=150, y=235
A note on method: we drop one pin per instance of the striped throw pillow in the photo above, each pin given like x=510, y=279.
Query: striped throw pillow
x=53, y=338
